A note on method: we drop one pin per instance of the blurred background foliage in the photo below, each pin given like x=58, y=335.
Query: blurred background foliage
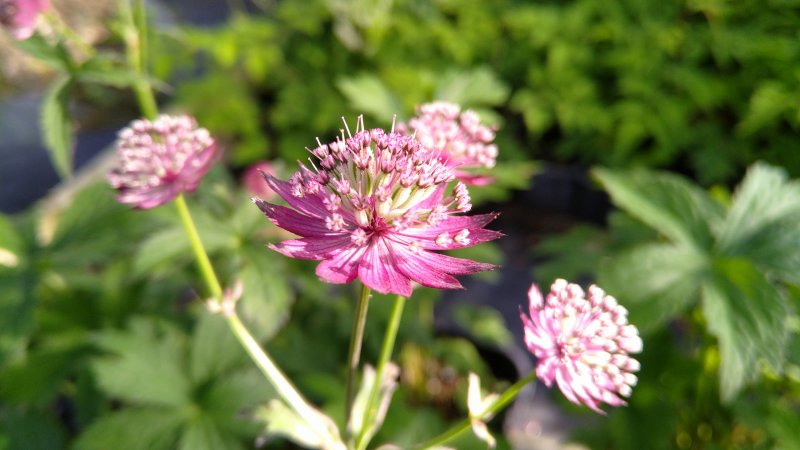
x=105, y=344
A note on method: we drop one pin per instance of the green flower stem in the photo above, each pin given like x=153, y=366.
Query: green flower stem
x=465, y=424
x=386, y=354
x=354, y=352
x=135, y=36
x=282, y=385
x=206, y=269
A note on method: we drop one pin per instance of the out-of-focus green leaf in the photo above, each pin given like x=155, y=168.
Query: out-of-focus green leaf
x=367, y=93
x=748, y=316
x=508, y=176
x=57, y=125
x=267, y=296
x=763, y=222
x=654, y=281
x=478, y=87
x=666, y=202
x=202, y=434
x=11, y=244
x=145, y=364
x=484, y=324
x=56, y=56
x=29, y=431
x=215, y=350
x=37, y=377
x=149, y=428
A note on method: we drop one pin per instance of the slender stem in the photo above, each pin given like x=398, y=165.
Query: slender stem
x=354, y=351
x=135, y=37
x=465, y=424
x=282, y=385
x=206, y=269
x=386, y=354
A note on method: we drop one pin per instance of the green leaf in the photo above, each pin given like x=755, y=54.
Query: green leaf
x=366, y=93
x=508, y=176
x=57, y=126
x=763, y=222
x=483, y=323
x=748, y=316
x=11, y=244
x=654, y=281
x=29, y=431
x=145, y=364
x=133, y=429
x=668, y=203
x=215, y=350
x=56, y=56
x=203, y=434
x=480, y=86
x=267, y=297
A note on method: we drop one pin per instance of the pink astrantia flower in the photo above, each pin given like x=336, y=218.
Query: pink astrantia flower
x=374, y=208
x=20, y=16
x=582, y=343
x=160, y=159
x=463, y=142
x=253, y=180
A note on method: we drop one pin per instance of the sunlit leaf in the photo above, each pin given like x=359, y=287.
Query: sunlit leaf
x=668, y=203
x=654, y=281
x=748, y=316
x=367, y=93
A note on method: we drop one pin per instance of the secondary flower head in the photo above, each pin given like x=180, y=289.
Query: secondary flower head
x=374, y=207
x=584, y=344
x=253, y=180
x=160, y=159
x=463, y=142
x=20, y=16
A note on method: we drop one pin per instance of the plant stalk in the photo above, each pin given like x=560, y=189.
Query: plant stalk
x=354, y=351
x=465, y=424
x=386, y=354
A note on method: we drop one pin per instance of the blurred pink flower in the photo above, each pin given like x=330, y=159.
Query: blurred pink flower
x=460, y=138
x=582, y=343
x=160, y=159
x=373, y=208
x=253, y=180
x=20, y=16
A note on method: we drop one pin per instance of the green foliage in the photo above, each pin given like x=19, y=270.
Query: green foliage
x=57, y=125
x=715, y=254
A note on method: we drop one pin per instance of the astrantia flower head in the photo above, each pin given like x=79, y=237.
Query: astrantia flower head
x=584, y=344
x=374, y=207
x=20, y=16
x=463, y=142
x=160, y=159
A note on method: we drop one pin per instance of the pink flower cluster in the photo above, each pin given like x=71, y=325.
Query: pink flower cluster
x=375, y=207
x=462, y=141
x=20, y=16
x=583, y=344
x=160, y=159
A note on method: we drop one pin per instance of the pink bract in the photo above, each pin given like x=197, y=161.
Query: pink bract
x=160, y=159
x=462, y=141
x=583, y=344
x=20, y=16
x=375, y=208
